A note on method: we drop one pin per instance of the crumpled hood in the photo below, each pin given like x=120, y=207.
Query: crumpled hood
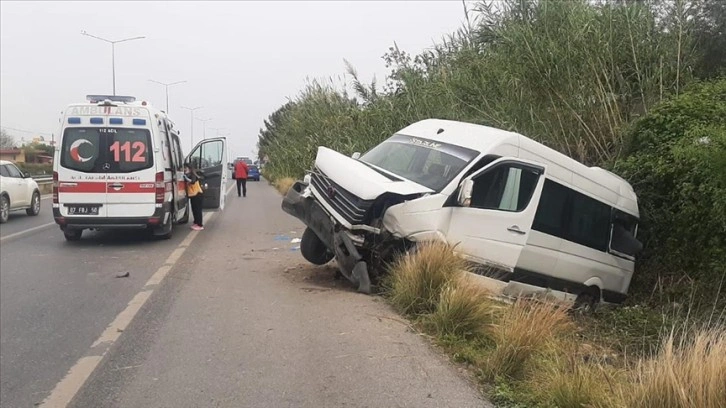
x=361, y=180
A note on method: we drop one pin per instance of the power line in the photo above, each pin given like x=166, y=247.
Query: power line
x=26, y=131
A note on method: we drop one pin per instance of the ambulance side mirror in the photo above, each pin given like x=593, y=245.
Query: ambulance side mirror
x=465, y=189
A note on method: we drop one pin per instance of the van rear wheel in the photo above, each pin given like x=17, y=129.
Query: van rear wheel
x=313, y=249
x=586, y=302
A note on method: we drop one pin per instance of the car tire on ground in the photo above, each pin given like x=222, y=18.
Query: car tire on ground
x=34, y=205
x=586, y=302
x=313, y=249
x=72, y=234
x=4, y=209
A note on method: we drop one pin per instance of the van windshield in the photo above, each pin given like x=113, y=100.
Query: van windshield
x=106, y=150
x=429, y=163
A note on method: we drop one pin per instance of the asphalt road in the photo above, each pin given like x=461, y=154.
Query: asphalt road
x=56, y=297
x=236, y=319
x=19, y=222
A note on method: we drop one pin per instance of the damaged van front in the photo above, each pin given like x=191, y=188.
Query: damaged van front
x=363, y=210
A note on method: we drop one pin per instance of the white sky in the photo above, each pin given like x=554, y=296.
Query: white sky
x=241, y=59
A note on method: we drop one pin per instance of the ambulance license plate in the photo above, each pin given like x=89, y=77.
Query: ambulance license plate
x=83, y=210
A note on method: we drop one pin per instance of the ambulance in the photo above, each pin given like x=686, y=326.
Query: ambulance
x=120, y=165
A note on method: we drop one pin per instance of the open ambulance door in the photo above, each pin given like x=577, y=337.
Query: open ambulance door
x=210, y=156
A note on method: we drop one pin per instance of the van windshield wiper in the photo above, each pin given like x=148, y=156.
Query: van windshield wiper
x=387, y=175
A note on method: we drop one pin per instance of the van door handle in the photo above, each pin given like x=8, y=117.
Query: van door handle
x=116, y=185
x=515, y=229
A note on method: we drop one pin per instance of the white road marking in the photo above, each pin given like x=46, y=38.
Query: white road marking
x=45, y=197
x=27, y=231
x=68, y=387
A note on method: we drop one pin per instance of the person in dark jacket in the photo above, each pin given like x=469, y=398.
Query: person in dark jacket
x=240, y=174
x=195, y=194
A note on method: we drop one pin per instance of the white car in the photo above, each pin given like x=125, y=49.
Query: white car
x=17, y=191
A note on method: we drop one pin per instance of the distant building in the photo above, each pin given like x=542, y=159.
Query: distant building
x=13, y=155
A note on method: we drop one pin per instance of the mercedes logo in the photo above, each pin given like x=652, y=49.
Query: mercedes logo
x=106, y=166
x=332, y=192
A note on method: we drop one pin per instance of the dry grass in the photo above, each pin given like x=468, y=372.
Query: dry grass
x=283, y=184
x=563, y=379
x=528, y=328
x=464, y=310
x=417, y=279
x=690, y=373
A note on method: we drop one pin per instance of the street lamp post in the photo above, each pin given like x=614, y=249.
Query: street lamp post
x=216, y=131
x=166, y=87
x=204, y=127
x=113, y=53
x=191, y=110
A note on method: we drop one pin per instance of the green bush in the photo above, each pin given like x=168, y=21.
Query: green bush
x=35, y=168
x=677, y=166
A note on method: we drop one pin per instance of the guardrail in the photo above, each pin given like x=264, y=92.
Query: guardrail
x=45, y=183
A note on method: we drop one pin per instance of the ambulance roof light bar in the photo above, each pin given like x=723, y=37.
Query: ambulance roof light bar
x=110, y=98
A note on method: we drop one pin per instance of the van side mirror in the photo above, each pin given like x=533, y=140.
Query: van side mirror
x=465, y=189
x=356, y=155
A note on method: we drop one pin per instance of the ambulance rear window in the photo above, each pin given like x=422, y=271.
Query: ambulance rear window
x=106, y=150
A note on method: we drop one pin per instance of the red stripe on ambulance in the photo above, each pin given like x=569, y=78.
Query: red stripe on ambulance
x=105, y=187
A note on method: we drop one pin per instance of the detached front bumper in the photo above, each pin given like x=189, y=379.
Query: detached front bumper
x=308, y=210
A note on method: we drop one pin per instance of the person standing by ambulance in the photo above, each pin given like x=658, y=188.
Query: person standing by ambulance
x=195, y=194
x=240, y=174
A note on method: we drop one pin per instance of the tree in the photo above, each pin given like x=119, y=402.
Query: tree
x=7, y=141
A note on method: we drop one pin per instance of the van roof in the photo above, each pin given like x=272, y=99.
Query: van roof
x=617, y=191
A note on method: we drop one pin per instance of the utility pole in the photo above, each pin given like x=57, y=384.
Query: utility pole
x=216, y=131
x=204, y=127
x=113, y=53
x=166, y=87
x=191, y=110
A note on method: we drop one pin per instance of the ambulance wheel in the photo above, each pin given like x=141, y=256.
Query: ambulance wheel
x=72, y=234
x=313, y=249
x=185, y=218
x=163, y=232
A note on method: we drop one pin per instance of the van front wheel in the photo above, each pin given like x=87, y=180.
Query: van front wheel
x=313, y=249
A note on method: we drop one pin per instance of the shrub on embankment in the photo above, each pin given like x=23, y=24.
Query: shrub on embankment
x=676, y=162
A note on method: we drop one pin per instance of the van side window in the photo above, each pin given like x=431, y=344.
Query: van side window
x=506, y=187
x=207, y=154
x=624, y=228
x=4, y=171
x=568, y=214
x=550, y=217
x=590, y=222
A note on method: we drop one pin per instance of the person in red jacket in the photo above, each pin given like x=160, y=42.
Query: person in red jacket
x=240, y=174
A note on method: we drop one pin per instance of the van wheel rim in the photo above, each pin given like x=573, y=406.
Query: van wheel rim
x=4, y=210
x=36, y=204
